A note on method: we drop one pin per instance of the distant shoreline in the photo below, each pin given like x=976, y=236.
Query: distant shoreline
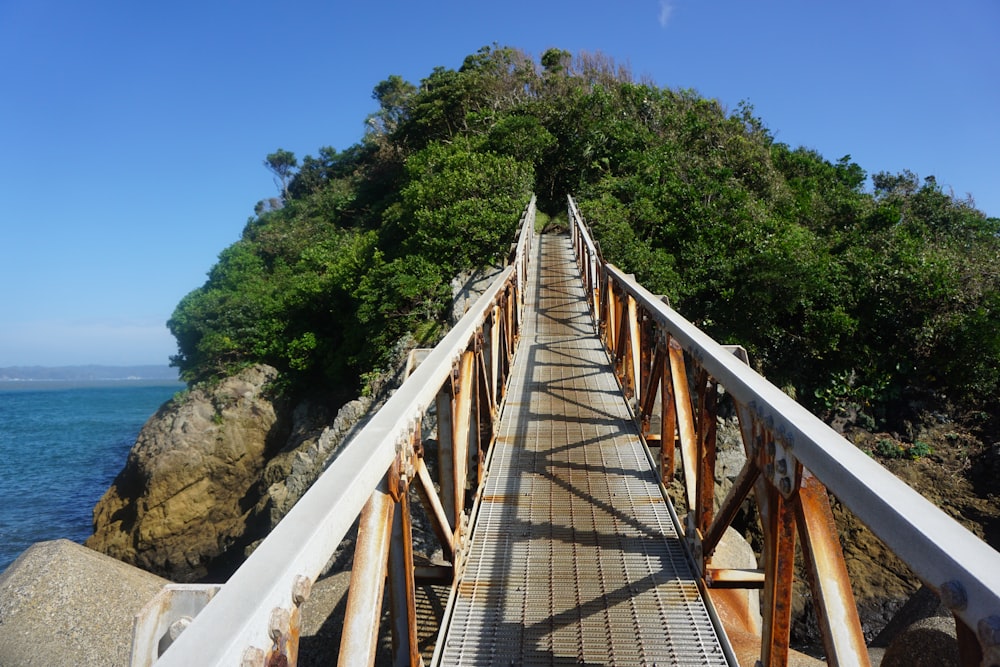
x=17, y=386
x=87, y=373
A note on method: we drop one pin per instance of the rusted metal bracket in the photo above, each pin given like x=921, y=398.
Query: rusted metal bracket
x=404, y=466
x=773, y=453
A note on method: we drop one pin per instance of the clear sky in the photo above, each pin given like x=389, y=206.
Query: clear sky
x=132, y=133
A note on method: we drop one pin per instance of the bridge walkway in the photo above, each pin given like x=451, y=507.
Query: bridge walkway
x=575, y=557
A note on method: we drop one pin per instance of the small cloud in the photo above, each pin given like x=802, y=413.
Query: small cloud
x=666, y=10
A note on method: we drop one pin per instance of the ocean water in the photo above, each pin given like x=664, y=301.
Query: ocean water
x=61, y=445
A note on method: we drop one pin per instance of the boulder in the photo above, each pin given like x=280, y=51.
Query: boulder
x=467, y=287
x=182, y=503
x=930, y=642
x=213, y=471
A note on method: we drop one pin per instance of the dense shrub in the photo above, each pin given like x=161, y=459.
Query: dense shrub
x=881, y=298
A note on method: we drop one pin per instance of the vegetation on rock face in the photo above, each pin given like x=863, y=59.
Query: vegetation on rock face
x=856, y=299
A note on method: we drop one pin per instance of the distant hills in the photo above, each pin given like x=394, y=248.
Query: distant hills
x=84, y=373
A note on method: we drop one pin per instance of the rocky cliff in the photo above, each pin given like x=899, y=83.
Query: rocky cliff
x=212, y=472
x=215, y=469
x=186, y=495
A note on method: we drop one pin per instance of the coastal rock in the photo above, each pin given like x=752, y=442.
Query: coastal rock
x=316, y=436
x=467, y=287
x=212, y=473
x=182, y=503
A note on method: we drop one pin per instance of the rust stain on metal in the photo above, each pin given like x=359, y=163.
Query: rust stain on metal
x=401, y=583
x=779, y=572
x=278, y=660
x=364, y=598
x=285, y=649
x=684, y=414
x=435, y=509
x=469, y=587
x=830, y=584
x=397, y=484
x=719, y=578
x=970, y=652
x=668, y=424
x=705, y=487
x=737, y=618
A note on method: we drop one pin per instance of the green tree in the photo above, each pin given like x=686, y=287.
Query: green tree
x=282, y=164
x=890, y=295
x=460, y=206
x=556, y=61
x=393, y=96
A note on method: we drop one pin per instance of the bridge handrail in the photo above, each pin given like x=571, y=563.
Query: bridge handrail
x=581, y=230
x=588, y=257
x=937, y=548
x=943, y=554
x=259, y=598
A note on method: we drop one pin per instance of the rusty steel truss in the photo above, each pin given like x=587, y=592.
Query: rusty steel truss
x=667, y=366
x=670, y=373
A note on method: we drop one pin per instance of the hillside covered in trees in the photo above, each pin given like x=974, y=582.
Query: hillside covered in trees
x=875, y=298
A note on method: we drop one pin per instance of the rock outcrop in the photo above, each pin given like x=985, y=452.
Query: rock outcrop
x=212, y=472
x=316, y=435
x=467, y=287
x=183, y=504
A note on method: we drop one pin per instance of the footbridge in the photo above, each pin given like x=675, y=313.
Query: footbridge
x=538, y=441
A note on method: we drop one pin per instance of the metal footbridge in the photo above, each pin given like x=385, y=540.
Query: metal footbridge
x=537, y=441
x=575, y=555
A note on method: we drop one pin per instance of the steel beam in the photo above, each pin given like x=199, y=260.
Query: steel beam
x=685, y=422
x=705, y=507
x=402, y=588
x=364, y=597
x=436, y=511
x=836, y=610
x=668, y=424
x=778, y=519
x=446, y=451
x=464, y=404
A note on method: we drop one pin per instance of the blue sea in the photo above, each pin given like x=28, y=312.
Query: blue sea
x=61, y=445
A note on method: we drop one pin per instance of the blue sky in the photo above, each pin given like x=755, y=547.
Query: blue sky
x=132, y=133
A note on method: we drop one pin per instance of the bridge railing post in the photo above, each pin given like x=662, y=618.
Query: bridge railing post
x=445, y=403
x=402, y=588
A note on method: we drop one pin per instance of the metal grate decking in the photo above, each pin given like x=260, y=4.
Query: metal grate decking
x=574, y=557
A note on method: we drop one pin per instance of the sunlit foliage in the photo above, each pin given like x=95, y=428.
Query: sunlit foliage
x=883, y=292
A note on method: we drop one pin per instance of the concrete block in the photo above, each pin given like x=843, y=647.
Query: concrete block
x=64, y=604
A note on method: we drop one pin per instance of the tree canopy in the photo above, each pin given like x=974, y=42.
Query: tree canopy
x=282, y=164
x=844, y=294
